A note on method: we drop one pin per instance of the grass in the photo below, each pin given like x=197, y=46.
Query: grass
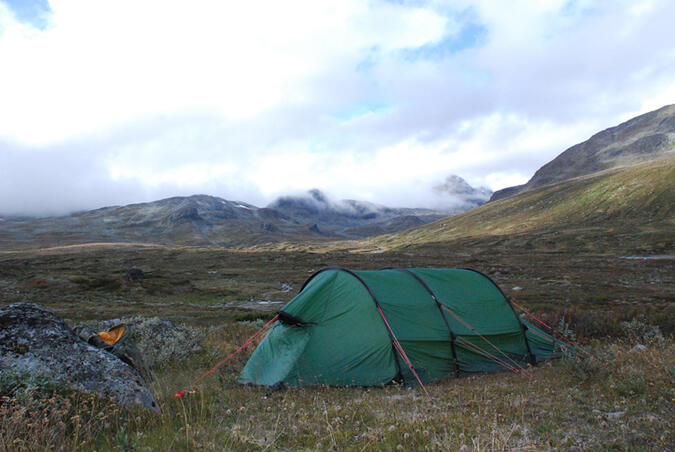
x=619, y=400
x=558, y=250
x=635, y=204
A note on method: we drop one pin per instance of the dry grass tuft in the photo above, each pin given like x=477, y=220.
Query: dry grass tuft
x=620, y=399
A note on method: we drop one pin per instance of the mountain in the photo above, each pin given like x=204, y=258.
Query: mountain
x=354, y=219
x=623, y=210
x=203, y=220
x=193, y=220
x=645, y=138
x=462, y=196
x=351, y=218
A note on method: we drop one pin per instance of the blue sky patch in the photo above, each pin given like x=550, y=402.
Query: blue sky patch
x=370, y=60
x=34, y=12
x=361, y=110
x=470, y=35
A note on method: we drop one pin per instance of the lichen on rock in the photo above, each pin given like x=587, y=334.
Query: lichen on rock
x=36, y=341
x=158, y=341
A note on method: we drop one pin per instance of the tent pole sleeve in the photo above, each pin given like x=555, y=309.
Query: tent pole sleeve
x=532, y=358
x=440, y=309
x=399, y=374
x=319, y=272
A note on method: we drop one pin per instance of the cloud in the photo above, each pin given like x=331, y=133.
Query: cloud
x=55, y=181
x=114, y=102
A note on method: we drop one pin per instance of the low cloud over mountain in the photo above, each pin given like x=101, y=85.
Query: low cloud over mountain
x=455, y=193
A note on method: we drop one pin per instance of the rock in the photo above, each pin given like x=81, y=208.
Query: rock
x=37, y=343
x=157, y=341
x=638, y=348
x=639, y=332
x=615, y=414
x=315, y=228
x=269, y=227
x=123, y=349
x=128, y=353
x=135, y=274
x=189, y=212
x=286, y=287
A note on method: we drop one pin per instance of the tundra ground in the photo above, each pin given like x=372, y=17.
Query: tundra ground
x=619, y=400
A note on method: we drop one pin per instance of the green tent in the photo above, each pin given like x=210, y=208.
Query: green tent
x=373, y=327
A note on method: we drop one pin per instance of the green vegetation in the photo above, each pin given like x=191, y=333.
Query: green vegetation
x=619, y=400
x=562, y=251
x=635, y=205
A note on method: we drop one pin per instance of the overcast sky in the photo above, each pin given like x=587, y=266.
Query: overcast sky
x=113, y=102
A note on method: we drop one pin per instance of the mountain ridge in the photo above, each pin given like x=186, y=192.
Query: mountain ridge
x=630, y=209
x=204, y=220
x=647, y=137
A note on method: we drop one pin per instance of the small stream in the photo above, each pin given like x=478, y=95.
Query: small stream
x=649, y=258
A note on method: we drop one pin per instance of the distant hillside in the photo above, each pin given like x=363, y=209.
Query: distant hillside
x=457, y=192
x=351, y=218
x=644, y=138
x=204, y=220
x=629, y=209
x=193, y=220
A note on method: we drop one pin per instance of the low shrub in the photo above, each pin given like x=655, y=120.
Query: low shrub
x=639, y=332
x=34, y=415
x=253, y=316
x=583, y=325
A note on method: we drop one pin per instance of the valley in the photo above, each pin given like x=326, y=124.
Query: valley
x=592, y=255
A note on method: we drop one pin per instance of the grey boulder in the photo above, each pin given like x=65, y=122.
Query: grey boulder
x=36, y=342
x=158, y=341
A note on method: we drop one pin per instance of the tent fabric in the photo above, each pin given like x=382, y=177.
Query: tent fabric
x=449, y=322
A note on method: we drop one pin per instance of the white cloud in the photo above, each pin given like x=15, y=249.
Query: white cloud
x=244, y=100
x=101, y=64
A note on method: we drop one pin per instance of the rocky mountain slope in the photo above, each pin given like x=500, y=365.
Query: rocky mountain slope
x=204, y=220
x=623, y=210
x=462, y=195
x=644, y=138
x=211, y=221
x=355, y=219
x=193, y=220
x=351, y=218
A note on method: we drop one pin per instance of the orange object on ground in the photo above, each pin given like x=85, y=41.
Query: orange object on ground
x=113, y=335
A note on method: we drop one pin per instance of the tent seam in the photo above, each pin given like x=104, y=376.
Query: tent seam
x=313, y=330
x=372, y=296
x=523, y=328
x=435, y=298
